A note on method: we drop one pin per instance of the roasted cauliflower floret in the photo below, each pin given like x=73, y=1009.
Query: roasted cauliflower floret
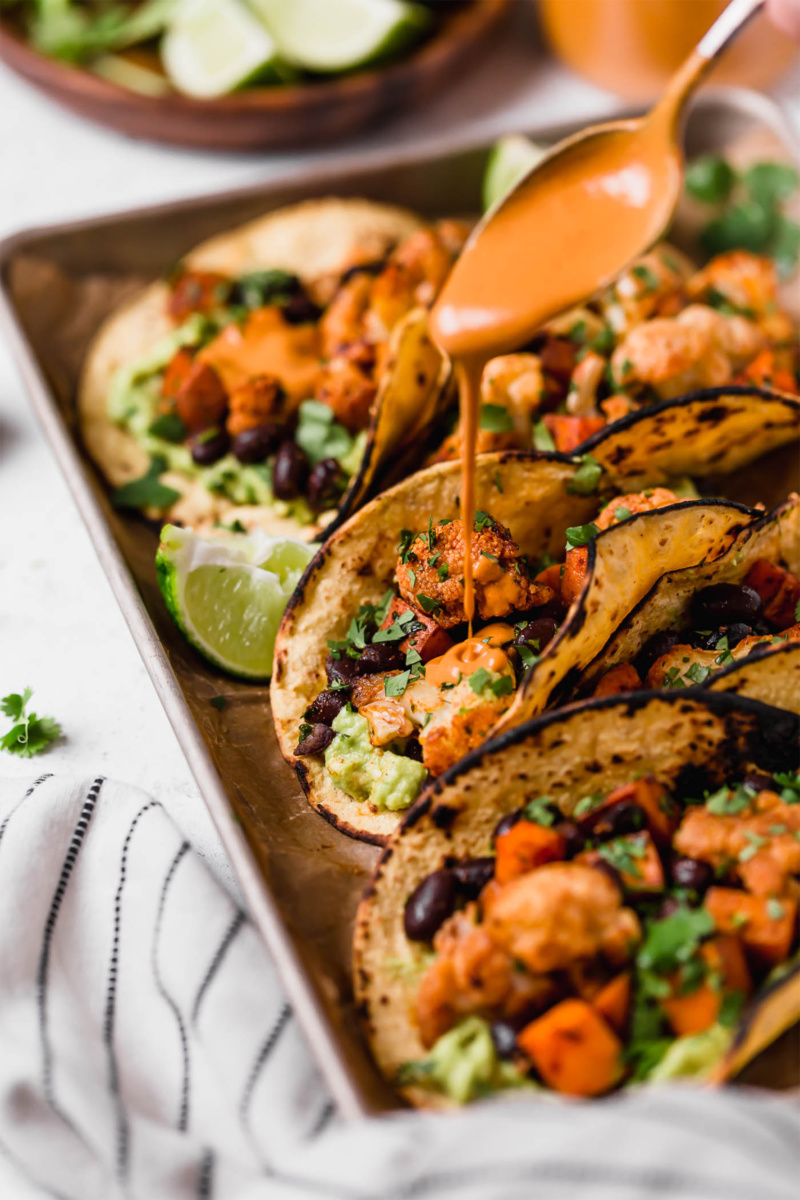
x=760, y=845
x=430, y=572
x=674, y=664
x=256, y=402
x=463, y=719
x=413, y=276
x=740, y=279
x=646, y=289
x=348, y=391
x=561, y=913
x=343, y=320
x=622, y=507
x=513, y=382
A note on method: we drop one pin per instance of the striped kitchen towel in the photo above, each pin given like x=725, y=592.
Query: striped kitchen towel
x=146, y=1052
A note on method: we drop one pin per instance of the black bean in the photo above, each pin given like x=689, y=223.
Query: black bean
x=413, y=749
x=289, y=471
x=315, y=742
x=209, y=446
x=689, y=873
x=541, y=630
x=326, y=483
x=657, y=645
x=507, y=822
x=256, y=444
x=734, y=633
x=382, y=656
x=759, y=782
x=326, y=707
x=616, y=820
x=504, y=1036
x=723, y=604
x=574, y=841
x=429, y=905
x=300, y=309
x=342, y=669
x=472, y=876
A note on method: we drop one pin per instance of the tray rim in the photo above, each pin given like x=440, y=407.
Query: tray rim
x=319, y=1033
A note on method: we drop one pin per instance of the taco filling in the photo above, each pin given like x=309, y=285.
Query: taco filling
x=265, y=388
x=612, y=939
x=412, y=687
x=662, y=330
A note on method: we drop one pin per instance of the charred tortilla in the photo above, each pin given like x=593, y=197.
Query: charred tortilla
x=315, y=240
x=687, y=743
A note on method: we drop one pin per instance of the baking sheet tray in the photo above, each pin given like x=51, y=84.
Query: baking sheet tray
x=301, y=877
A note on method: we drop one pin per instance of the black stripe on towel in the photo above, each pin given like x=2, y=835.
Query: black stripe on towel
x=183, y=1113
x=323, y=1119
x=74, y=849
x=123, y=1131
x=267, y=1047
x=216, y=962
x=205, y=1175
x=19, y=804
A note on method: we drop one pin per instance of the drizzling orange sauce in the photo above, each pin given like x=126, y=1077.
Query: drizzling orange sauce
x=465, y=658
x=559, y=238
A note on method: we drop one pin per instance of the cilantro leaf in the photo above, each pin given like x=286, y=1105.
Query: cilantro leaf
x=503, y=686
x=479, y=679
x=218, y=702
x=494, y=418
x=147, y=491
x=483, y=521
x=586, y=478
x=543, y=438
x=427, y=603
x=579, y=535
x=539, y=811
x=170, y=427
x=710, y=179
x=29, y=734
x=622, y=513
x=395, y=685
x=259, y=288
x=674, y=940
x=771, y=182
x=319, y=435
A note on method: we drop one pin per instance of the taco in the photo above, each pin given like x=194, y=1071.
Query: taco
x=733, y=624
x=377, y=682
x=706, y=355
x=603, y=896
x=280, y=368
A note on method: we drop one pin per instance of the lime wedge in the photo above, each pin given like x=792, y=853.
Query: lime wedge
x=509, y=159
x=338, y=35
x=216, y=46
x=227, y=595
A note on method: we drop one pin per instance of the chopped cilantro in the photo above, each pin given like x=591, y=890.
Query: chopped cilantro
x=698, y=673
x=479, y=679
x=775, y=910
x=406, y=538
x=499, y=487
x=622, y=513
x=171, y=428
x=427, y=603
x=539, y=811
x=710, y=179
x=431, y=535
x=319, y=435
x=219, y=702
x=587, y=803
x=622, y=853
x=305, y=730
x=146, y=491
x=395, y=685
x=579, y=535
x=585, y=480
x=443, y=570
x=729, y=802
x=28, y=734
x=494, y=418
x=503, y=686
x=674, y=940
x=543, y=438
x=644, y=274
x=730, y=1008
x=529, y=656
x=789, y=782
x=578, y=332
x=412, y=576
x=756, y=843
x=483, y=521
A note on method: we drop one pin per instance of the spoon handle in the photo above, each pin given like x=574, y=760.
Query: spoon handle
x=727, y=25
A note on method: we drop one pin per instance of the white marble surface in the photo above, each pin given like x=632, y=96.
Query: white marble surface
x=60, y=630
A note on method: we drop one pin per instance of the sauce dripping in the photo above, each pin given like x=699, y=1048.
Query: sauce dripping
x=465, y=658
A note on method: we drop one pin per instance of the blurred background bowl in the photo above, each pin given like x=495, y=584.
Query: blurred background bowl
x=282, y=117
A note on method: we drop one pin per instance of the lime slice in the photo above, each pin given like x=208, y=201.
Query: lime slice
x=509, y=159
x=227, y=596
x=216, y=46
x=338, y=35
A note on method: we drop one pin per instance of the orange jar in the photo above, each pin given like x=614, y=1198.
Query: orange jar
x=632, y=46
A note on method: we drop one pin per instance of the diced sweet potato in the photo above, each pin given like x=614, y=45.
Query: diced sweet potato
x=622, y=678
x=726, y=971
x=574, y=573
x=177, y=370
x=635, y=859
x=613, y=1002
x=525, y=846
x=201, y=401
x=779, y=590
x=558, y=357
x=573, y=1049
x=570, y=432
x=430, y=641
x=652, y=798
x=763, y=371
x=197, y=292
x=765, y=926
x=550, y=577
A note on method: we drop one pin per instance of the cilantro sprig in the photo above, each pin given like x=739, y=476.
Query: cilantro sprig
x=29, y=734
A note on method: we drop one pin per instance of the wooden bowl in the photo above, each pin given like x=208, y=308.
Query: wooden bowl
x=276, y=117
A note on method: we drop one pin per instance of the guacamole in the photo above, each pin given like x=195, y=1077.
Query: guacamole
x=367, y=772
